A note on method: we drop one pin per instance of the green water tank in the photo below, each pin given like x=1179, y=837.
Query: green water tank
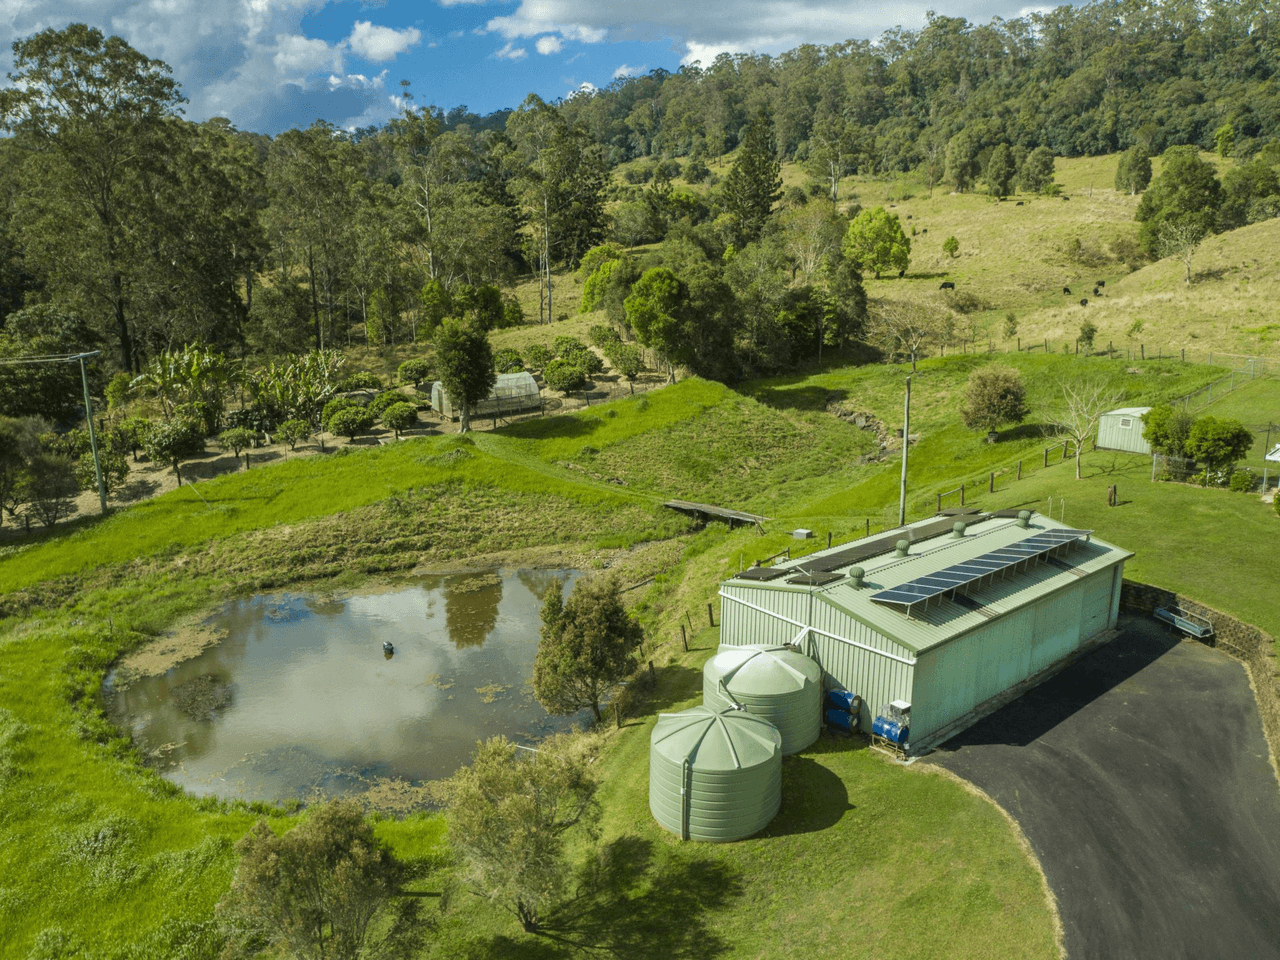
x=714, y=775
x=779, y=684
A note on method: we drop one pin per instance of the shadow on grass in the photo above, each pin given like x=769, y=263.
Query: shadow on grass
x=639, y=900
x=1028, y=431
x=676, y=683
x=813, y=798
x=781, y=395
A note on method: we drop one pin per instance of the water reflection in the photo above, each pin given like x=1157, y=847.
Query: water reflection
x=300, y=697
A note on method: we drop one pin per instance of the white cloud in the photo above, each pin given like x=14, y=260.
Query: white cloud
x=548, y=45
x=381, y=43
x=299, y=55
x=627, y=71
x=584, y=89
x=511, y=52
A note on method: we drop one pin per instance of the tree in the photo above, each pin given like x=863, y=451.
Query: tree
x=351, y=421
x=627, y=359
x=1083, y=402
x=1250, y=193
x=905, y=327
x=875, y=241
x=1184, y=198
x=48, y=485
x=294, y=432
x=93, y=112
x=564, y=375
x=657, y=311
x=1088, y=332
x=586, y=647
x=414, y=371
x=754, y=183
x=1036, y=174
x=951, y=247
x=237, y=439
x=1133, y=172
x=1167, y=428
x=508, y=819
x=50, y=390
x=1181, y=239
x=994, y=395
x=962, y=159
x=316, y=890
x=1217, y=440
x=466, y=366
x=1224, y=141
x=172, y=441
x=19, y=442
x=1000, y=171
x=400, y=417
x=1010, y=325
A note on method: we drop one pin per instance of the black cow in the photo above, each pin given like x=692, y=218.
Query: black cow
x=946, y=285
x=1102, y=283
x=908, y=216
x=901, y=274
x=1018, y=204
x=1066, y=198
x=1084, y=303
x=1066, y=291
x=1095, y=291
x=925, y=230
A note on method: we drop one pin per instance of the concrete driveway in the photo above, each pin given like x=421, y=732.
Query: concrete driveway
x=1141, y=778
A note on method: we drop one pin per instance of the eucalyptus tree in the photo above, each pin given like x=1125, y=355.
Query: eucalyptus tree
x=559, y=175
x=754, y=184
x=90, y=112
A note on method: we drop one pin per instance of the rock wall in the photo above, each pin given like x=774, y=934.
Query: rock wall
x=1245, y=642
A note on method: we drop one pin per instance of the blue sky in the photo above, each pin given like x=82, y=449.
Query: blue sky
x=273, y=64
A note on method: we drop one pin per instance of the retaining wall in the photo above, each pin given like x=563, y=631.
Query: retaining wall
x=1245, y=642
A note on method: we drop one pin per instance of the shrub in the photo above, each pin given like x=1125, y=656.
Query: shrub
x=333, y=408
x=237, y=439
x=951, y=247
x=512, y=312
x=400, y=416
x=388, y=398
x=565, y=345
x=587, y=361
x=414, y=371
x=257, y=418
x=601, y=335
x=507, y=360
x=294, y=432
x=564, y=376
x=119, y=390
x=695, y=171
x=994, y=395
x=352, y=421
x=539, y=355
x=627, y=359
x=361, y=380
x=1088, y=332
x=1243, y=480
x=172, y=441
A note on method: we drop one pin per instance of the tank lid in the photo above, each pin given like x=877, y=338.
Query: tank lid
x=759, y=669
x=711, y=740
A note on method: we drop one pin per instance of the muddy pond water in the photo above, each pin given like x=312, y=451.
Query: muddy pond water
x=300, y=701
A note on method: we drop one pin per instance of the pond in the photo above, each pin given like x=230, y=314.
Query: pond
x=300, y=701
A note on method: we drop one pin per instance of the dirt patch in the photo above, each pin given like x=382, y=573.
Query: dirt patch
x=203, y=697
x=164, y=653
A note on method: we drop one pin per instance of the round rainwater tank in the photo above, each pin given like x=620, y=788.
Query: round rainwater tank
x=714, y=775
x=779, y=684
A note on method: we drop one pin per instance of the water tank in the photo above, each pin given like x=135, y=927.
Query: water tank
x=714, y=775
x=779, y=684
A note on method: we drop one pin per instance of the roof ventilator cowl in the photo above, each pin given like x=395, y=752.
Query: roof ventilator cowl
x=903, y=548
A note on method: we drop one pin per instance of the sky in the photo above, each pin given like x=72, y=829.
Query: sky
x=268, y=65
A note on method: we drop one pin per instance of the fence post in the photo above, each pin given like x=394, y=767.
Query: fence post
x=1143, y=347
x=653, y=679
x=1046, y=456
x=1046, y=344
x=868, y=526
x=991, y=484
x=962, y=494
x=1019, y=469
x=828, y=539
x=710, y=616
x=938, y=508
x=684, y=638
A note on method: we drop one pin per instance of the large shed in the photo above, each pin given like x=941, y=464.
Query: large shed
x=954, y=615
x=512, y=393
x=1122, y=430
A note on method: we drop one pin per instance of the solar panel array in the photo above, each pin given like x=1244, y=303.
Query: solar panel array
x=961, y=575
x=762, y=573
x=815, y=579
x=866, y=549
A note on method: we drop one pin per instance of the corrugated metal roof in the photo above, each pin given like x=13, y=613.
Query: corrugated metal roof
x=1127, y=412
x=946, y=619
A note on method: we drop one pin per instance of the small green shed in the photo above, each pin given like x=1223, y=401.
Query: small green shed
x=1122, y=430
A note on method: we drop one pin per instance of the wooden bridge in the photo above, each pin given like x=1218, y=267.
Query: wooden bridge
x=705, y=511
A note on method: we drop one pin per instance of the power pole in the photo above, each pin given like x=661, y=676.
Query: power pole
x=93, y=439
x=906, y=442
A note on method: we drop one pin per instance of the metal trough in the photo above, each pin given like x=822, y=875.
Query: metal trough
x=1189, y=623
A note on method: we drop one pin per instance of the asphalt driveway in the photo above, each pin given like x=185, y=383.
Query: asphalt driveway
x=1140, y=777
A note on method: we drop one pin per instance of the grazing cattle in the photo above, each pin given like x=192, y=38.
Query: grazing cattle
x=1066, y=198
x=1102, y=283
x=946, y=285
x=1067, y=291
x=908, y=216
x=1084, y=303
x=901, y=274
x=1095, y=291
x=925, y=230
x=1018, y=204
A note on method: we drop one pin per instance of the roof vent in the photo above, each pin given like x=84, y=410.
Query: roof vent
x=957, y=530
x=903, y=546
x=1024, y=519
x=855, y=577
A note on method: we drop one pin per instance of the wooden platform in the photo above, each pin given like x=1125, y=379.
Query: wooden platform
x=705, y=511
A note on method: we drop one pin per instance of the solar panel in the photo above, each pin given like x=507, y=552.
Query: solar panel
x=815, y=579
x=761, y=573
x=960, y=575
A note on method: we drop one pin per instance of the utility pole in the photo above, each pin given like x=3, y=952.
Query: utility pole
x=93, y=439
x=906, y=442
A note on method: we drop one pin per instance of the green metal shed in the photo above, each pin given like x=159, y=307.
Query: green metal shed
x=1122, y=430
x=953, y=615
